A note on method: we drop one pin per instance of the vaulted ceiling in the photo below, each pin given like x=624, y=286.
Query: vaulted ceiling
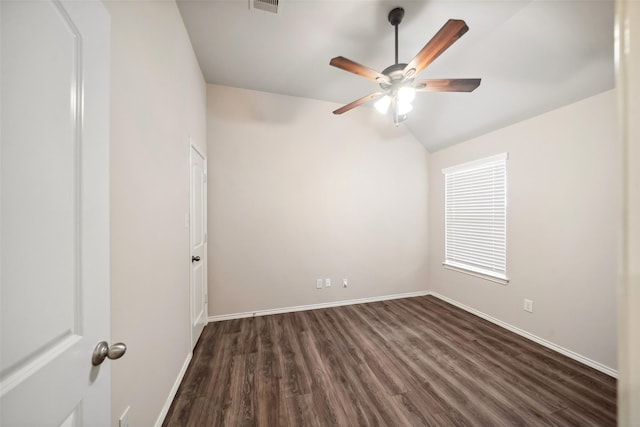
x=532, y=56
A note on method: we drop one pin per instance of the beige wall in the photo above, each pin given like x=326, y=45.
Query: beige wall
x=157, y=100
x=563, y=218
x=296, y=194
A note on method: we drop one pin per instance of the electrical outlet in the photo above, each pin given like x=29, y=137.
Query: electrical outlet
x=318, y=283
x=327, y=283
x=124, y=418
x=345, y=283
x=528, y=305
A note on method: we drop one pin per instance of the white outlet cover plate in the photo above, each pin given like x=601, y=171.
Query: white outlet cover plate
x=528, y=305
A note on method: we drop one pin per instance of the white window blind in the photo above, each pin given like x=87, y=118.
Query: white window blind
x=476, y=216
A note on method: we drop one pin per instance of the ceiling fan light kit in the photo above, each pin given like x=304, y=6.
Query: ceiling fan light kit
x=398, y=82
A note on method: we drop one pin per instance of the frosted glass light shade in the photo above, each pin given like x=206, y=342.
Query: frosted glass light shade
x=404, y=107
x=382, y=105
x=406, y=94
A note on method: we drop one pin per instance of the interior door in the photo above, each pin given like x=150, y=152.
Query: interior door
x=54, y=212
x=198, y=225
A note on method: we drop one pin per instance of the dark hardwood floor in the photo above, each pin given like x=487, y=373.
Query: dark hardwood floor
x=409, y=362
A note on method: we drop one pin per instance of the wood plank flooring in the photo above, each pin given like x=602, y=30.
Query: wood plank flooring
x=409, y=362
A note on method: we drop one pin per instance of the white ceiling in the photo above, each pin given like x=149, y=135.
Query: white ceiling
x=532, y=56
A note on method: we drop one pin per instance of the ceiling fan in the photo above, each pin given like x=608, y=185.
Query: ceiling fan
x=398, y=82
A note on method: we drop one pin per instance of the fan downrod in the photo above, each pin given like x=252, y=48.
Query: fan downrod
x=395, y=18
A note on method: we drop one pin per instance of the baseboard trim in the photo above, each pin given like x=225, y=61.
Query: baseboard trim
x=314, y=306
x=573, y=355
x=174, y=390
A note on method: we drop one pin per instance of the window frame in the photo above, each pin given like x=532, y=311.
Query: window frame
x=492, y=163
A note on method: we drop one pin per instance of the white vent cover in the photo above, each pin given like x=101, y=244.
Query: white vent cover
x=268, y=5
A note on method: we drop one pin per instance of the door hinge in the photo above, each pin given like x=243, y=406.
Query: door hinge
x=204, y=177
x=205, y=237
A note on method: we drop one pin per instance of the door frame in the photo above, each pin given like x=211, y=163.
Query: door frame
x=627, y=32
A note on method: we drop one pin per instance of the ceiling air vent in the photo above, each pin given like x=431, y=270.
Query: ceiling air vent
x=268, y=5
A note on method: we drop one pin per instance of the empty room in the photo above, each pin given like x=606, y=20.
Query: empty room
x=314, y=213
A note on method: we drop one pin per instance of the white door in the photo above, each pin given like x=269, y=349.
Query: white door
x=198, y=224
x=55, y=213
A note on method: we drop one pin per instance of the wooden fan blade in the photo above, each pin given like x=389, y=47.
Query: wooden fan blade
x=448, y=34
x=353, y=67
x=447, y=85
x=358, y=102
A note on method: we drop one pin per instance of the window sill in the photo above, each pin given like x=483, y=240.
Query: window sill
x=491, y=278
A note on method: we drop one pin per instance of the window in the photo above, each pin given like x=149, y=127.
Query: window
x=475, y=217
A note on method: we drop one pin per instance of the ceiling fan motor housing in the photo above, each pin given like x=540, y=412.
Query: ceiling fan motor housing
x=396, y=76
